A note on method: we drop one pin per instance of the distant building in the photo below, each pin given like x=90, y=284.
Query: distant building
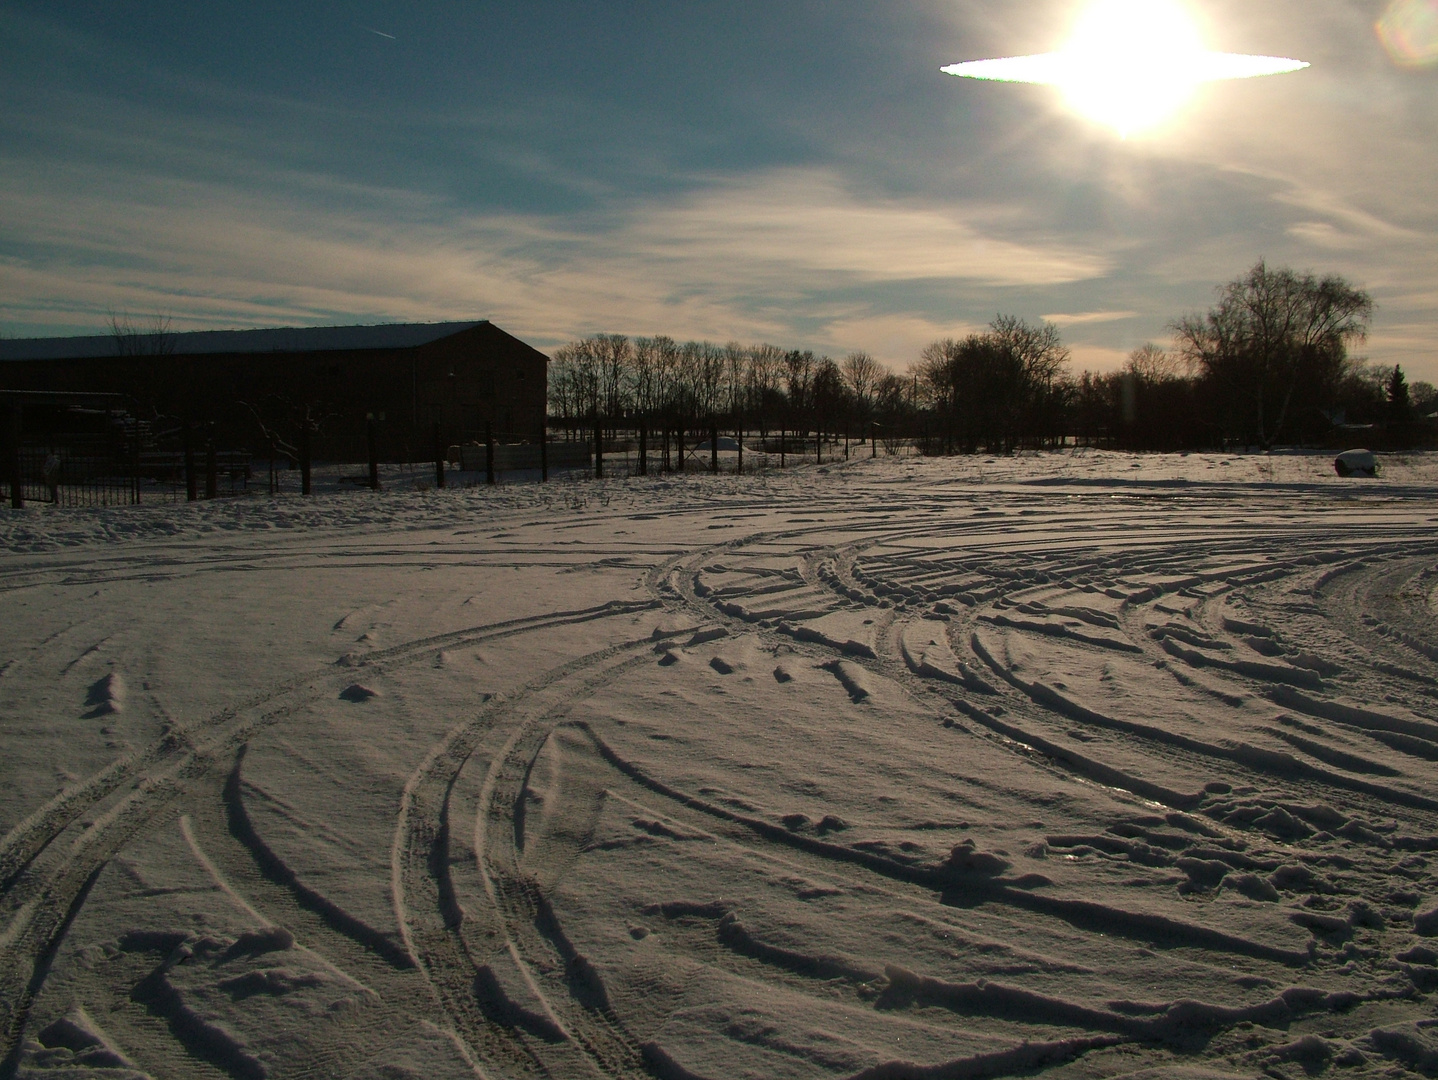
x=249, y=386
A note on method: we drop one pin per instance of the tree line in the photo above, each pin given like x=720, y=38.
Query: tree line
x=1270, y=362
x=615, y=382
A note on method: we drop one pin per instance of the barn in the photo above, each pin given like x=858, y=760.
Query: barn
x=253, y=389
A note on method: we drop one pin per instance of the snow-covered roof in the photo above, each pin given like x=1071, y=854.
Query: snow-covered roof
x=284, y=339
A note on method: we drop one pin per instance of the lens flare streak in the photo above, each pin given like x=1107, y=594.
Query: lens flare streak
x=1060, y=69
x=1130, y=64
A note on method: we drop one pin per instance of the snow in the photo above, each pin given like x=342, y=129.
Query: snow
x=1080, y=764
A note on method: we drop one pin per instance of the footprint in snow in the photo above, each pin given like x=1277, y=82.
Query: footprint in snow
x=106, y=696
x=966, y=859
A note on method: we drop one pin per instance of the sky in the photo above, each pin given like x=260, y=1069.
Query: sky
x=797, y=172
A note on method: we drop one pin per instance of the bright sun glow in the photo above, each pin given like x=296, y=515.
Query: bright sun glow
x=1130, y=64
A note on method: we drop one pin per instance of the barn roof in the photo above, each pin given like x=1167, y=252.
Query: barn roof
x=285, y=339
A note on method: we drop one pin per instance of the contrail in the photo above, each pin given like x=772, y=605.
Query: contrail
x=381, y=33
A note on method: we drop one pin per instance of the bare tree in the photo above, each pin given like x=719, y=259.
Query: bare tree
x=644, y=380
x=766, y=368
x=861, y=375
x=1425, y=398
x=154, y=339
x=575, y=382
x=688, y=380
x=998, y=388
x=798, y=375
x=610, y=376
x=895, y=411
x=736, y=378
x=1040, y=352
x=709, y=369
x=1274, y=337
x=613, y=362
x=1150, y=363
x=828, y=393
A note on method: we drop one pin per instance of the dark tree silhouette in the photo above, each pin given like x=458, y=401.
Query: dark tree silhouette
x=155, y=339
x=1400, y=409
x=999, y=388
x=1274, y=344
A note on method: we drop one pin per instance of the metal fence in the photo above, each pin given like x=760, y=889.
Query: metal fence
x=80, y=475
x=75, y=479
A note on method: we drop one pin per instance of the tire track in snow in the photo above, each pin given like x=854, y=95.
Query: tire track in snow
x=1078, y=912
x=343, y=1041
x=966, y=888
x=277, y=871
x=839, y=582
x=23, y=843
x=432, y=918
x=41, y=899
x=1184, y=1024
x=1277, y=769
x=913, y=592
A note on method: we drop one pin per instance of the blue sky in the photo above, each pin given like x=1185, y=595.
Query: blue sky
x=798, y=172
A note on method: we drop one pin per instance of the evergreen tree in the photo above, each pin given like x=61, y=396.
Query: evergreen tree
x=1400, y=410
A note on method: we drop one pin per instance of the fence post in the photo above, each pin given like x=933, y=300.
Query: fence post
x=305, y=454
x=543, y=453
x=373, y=454
x=739, y=439
x=212, y=469
x=489, y=453
x=873, y=440
x=438, y=457
x=714, y=447
x=17, y=482
x=643, y=448
x=192, y=481
x=598, y=450
x=782, y=433
x=679, y=444
x=819, y=447
x=135, y=465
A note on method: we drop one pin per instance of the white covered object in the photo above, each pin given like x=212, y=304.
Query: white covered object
x=1355, y=463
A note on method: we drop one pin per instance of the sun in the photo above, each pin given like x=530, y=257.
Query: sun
x=1129, y=64
x=1132, y=63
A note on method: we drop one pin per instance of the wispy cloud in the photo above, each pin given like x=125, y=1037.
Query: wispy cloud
x=1080, y=318
x=878, y=207
x=738, y=259
x=1323, y=235
x=805, y=222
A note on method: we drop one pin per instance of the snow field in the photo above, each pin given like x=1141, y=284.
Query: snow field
x=891, y=769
